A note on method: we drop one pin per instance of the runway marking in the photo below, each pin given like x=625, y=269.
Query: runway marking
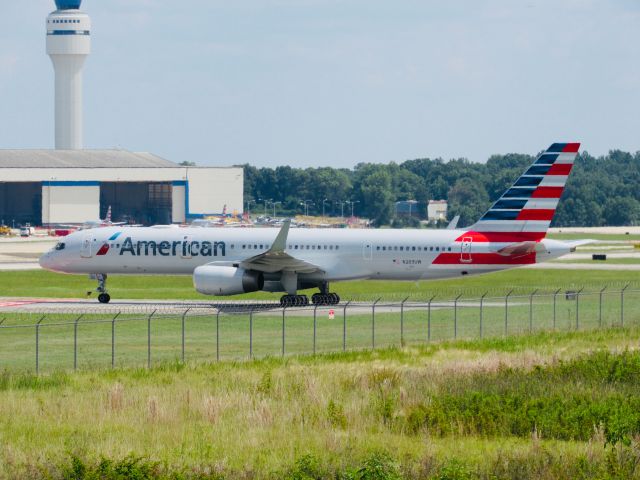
x=16, y=304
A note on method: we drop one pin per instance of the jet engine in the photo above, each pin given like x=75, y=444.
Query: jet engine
x=215, y=280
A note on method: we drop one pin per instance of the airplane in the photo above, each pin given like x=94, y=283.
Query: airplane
x=235, y=261
x=101, y=223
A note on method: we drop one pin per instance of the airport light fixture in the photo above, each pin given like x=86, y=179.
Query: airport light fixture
x=341, y=208
x=352, y=205
x=249, y=202
x=265, y=204
x=274, y=207
x=306, y=204
x=323, y=202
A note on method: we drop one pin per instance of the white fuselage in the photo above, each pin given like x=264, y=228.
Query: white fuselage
x=340, y=254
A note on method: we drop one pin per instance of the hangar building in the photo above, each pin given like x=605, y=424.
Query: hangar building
x=49, y=187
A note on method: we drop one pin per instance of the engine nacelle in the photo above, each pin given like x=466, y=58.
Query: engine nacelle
x=214, y=280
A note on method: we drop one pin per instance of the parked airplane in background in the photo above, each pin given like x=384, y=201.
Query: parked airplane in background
x=234, y=261
x=101, y=223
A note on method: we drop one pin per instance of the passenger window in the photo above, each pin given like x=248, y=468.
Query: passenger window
x=437, y=249
x=337, y=246
x=401, y=249
x=330, y=247
x=413, y=249
x=295, y=247
x=384, y=248
x=431, y=249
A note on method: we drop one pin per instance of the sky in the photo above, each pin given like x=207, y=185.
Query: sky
x=313, y=83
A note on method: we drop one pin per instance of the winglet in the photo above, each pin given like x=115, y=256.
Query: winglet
x=280, y=243
x=453, y=224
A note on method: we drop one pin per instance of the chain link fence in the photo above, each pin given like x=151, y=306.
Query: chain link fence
x=68, y=338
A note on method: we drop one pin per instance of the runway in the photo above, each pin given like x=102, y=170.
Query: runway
x=54, y=306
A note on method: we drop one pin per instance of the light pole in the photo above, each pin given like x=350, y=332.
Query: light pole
x=306, y=204
x=249, y=202
x=341, y=208
x=265, y=204
x=323, y=202
x=352, y=204
x=274, y=207
x=411, y=202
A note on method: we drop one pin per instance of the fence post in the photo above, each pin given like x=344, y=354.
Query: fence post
x=315, y=311
x=622, y=305
x=113, y=340
x=429, y=318
x=218, y=335
x=402, y=321
x=373, y=324
x=75, y=342
x=183, y=320
x=555, y=297
x=455, y=317
x=283, y=329
x=251, y=333
x=482, y=311
x=344, y=326
x=578, y=309
x=38, y=344
x=506, y=313
x=600, y=307
x=531, y=310
x=149, y=339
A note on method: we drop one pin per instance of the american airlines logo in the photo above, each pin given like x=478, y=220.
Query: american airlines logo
x=165, y=248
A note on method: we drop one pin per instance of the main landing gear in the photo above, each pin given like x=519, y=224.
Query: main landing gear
x=294, y=301
x=103, y=296
x=325, y=298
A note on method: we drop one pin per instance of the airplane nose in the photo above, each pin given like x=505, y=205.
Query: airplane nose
x=45, y=261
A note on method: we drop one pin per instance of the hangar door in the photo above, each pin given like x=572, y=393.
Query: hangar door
x=143, y=203
x=20, y=203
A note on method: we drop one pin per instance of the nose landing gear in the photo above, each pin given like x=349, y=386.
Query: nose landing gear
x=103, y=296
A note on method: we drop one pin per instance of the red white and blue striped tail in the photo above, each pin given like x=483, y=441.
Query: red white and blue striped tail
x=524, y=211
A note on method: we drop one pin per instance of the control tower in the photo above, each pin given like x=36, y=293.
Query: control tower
x=68, y=44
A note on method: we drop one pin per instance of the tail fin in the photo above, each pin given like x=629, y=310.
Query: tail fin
x=525, y=210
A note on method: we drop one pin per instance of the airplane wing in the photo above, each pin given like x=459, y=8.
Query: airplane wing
x=276, y=259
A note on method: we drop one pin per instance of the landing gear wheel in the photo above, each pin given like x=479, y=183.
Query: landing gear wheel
x=104, y=298
x=294, y=301
x=325, y=298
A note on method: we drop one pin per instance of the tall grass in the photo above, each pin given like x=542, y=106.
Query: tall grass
x=520, y=408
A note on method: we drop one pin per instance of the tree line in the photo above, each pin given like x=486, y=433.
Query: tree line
x=600, y=191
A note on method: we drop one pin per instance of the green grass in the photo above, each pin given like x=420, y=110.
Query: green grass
x=240, y=336
x=38, y=283
x=541, y=406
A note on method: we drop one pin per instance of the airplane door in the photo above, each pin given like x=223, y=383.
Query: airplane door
x=366, y=251
x=185, y=248
x=465, y=249
x=85, y=248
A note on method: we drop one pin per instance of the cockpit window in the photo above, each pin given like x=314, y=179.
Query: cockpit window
x=60, y=246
